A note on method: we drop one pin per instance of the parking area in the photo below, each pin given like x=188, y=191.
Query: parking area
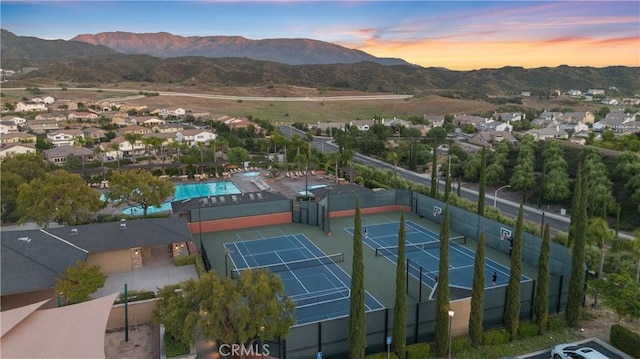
x=594, y=343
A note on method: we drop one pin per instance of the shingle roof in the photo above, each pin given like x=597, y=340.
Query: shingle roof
x=31, y=259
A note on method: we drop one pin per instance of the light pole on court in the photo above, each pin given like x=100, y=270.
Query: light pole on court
x=495, y=195
x=451, y=313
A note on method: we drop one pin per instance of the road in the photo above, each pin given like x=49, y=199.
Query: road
x=558, y=223
x=136, y=94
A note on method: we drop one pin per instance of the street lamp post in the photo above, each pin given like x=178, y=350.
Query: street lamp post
x=451, y=313
x=495, y=195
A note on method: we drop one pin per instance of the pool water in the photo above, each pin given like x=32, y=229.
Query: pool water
x=251, y=174
x=188, y=191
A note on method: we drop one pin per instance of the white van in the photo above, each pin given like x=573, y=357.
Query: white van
x=569, y=351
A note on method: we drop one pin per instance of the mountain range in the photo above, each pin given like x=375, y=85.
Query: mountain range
x=284, y=51
x=119, y=56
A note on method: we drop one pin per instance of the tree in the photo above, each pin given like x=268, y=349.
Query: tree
x=392, y=157
x=483, y=180
x=477, y=295
x=238, y=155
x=523, y=178
x=442, y=290
x=599, y=234
x=577, y=235
x=139, y=187
x=512, y=308
x=253, y=308
x=357, y=329
x=620, y=293
x=400, y=306
x=434, y=171
x=78, y=282
x=556, y=178
x=133, y=139
x=60, y=196
x=541, y=298
x=18, y=169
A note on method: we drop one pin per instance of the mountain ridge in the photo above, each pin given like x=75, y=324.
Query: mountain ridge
x=296, y=51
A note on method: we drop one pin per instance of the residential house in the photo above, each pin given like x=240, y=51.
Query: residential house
x=475, y=121
x=495, y=126
x=167, y=138
x=630, y=127
x=552, y=132
x=82, y=115
x=550, y=116
x=148, y=121
x=584, y=117
x=41, y=126
x=55, y=116
x=610, y=102
x=58, y=155
x=134, y=129
x=66, y=137
x=125, y=148
x=614, y=121
x=542, y=123
x=30, y=106
x=630, y=101
x=178, y=112
x=18, y=120
x=595, y=92
x=7, y=127
x=362, y=125
x=10, y=149
x=236, y=123
x=509, y=116
x=574, y=127
x=18, y=137
x=525, y=94
x=94, y=134
x=574, y=93
x=192, y=137
x=168, y=128
x=436, y=121
x=489, y=138
x=48, y=100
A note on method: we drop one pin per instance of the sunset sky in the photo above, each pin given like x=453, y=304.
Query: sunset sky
x=459, y=35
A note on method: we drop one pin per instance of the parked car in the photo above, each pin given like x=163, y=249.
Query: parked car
x=569, y=351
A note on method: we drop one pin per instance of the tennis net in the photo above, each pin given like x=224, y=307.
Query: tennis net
x=302, y=263
x=422, y=246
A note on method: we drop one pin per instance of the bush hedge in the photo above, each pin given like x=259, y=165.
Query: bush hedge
x=527, y=329
x=555, y=323
x=460, y=343
x=184, y=260
x=495, y=336
x=414, y=351
x=174, y=347
x=135, y=296
x=625, y=340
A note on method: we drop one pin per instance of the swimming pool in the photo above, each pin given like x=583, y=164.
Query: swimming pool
x=251, y=174
x=188, y=191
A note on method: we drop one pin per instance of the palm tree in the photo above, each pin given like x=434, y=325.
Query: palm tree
x=133, y=139
x=80, y=141
x=98, y=151
x=116, y=147
x=393, y=157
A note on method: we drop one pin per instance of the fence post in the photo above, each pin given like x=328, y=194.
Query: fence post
x=560, y=294
x=319, y=336
x=417, y=321
x=533, y=298
x=386, y=323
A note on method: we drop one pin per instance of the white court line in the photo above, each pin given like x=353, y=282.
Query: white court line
x=241, y=256
x=294, y=275
x=343, y=271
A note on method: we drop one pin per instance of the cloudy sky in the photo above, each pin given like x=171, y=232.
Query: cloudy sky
x=460, y=35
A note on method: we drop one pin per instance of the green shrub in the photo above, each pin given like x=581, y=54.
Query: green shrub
x=202, y=270
x=174, y=347
x=382, y=356
x=495, y=336
x=527, y=329
x=185, y=260
x=135, y=296
x=460, y=343
x=625, y=340
x=418, y=351
x=556, y=323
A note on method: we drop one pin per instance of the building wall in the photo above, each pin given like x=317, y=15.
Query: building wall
x=240, y=222
x=138, y=312
x=14, y=301
x=113, y=261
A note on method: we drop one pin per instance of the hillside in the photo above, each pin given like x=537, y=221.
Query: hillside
x=82, y=63
x=285, y=51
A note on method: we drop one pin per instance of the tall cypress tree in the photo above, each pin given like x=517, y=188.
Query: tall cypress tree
x=357, y=329
x=477, y=295
x=578, y=232
x=483, y=181
x=434, y=172
x=447, y=188
x=442, y=291
x=541, y=299
x=575, y=204
x=400, y=309
x=512, y=309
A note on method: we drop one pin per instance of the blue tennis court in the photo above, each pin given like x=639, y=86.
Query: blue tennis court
x=320, y=288
x=423, y=254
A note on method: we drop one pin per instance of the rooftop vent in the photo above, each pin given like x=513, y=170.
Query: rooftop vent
x=25, y=239
x=74, y=231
